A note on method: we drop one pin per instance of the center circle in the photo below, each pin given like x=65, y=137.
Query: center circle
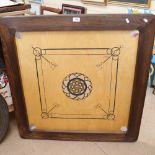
x=77, y=86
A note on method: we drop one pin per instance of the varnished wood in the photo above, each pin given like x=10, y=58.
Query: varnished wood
x=87, y=22
x=15, y=8
x=144, y=23
x=50, y=9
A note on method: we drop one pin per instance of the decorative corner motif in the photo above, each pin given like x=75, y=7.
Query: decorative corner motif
x=112, y=53
x=40, y=54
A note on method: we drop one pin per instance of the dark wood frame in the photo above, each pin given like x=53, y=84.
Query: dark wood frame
x=130, y=3
x=143, y=23
x=83, y=9
x=60, y=11
x=18, y=7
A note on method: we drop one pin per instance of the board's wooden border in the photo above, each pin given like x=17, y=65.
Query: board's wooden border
x=145, y=24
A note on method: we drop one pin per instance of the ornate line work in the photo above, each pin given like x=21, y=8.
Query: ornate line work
x=39, y=54
x=111, y=55
x=77, y=86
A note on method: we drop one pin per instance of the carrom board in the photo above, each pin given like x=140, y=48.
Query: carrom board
x=80, y=79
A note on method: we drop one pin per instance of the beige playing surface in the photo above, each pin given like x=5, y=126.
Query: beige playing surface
x=77, y=81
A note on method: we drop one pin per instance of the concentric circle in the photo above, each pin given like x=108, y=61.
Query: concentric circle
x=37, y=51
x=76, y=86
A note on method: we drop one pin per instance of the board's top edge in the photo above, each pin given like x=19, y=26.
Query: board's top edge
x=78, y=22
